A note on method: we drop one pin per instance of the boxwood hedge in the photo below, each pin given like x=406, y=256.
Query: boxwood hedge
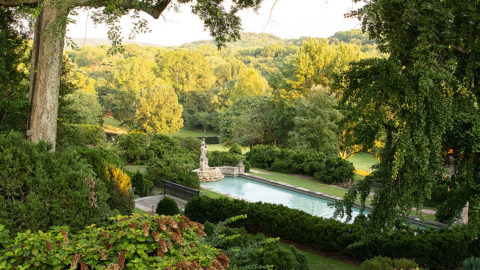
x=435, y=249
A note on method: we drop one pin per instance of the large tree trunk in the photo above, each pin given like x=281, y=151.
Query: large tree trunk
x=46, y=70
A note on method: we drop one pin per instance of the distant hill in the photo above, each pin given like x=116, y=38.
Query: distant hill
x=248, y=40
x=101, y=41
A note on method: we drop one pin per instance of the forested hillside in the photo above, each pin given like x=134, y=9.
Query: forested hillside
x=215, y=89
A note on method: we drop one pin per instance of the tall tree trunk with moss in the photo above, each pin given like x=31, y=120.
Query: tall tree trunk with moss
x=45, y=72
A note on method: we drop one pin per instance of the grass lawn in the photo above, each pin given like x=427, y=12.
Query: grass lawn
x=301, y=182
x=318, y=262
x=133, y=168
x=211, y=194
x=111, y=122
x=139, y=211
x=187, y=132
x=363, y=161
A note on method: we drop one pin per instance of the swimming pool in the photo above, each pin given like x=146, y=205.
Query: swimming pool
x=256, y=191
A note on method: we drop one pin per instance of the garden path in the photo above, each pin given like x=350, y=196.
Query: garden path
x=149, y=204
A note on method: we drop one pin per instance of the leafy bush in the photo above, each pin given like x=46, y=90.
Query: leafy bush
x=221, y=158
x=167, y=206
x=436, y=249
x=142, y=186
x=235, y=149
x=471, y=263
x=385, y=263
x=253, y=251
x=173, y=159
x=134, y=147
x=115, y=179
x=79, y=134
x=121, y=195
x=129, y=242
x=328, y=169
x=40, y=188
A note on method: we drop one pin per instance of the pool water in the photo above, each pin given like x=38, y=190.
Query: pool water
x=256, y=191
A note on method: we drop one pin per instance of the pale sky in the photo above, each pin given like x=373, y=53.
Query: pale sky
x=290, y=19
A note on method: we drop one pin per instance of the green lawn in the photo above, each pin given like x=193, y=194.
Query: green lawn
x=187, y=132
x=133, y=168
x=217, y=147
x=363, y=161
x=317, y=262
x=139, y=211
x=212, y=194
x=111, y=122
x=301, y=182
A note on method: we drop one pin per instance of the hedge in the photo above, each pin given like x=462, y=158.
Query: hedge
x=328, y=169
x=440, y=249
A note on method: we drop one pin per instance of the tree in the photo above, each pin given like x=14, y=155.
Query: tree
x=412, y=100
x=49, y=35
x=157, y=110
x=187, y=71
x=316, y=123
x=13, y=84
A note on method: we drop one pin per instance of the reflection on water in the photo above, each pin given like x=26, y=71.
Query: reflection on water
x=260, y=192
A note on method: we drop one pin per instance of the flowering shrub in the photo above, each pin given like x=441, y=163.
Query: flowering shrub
x=133, y=242
x=121, y=179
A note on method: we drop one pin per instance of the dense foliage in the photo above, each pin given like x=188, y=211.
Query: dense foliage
x=128, y=242
x=40, y=188
x=328, y=169
x=134, y=147
x=435, y=249
x=167, y=206
x=420, y=104
x=14, y=105
x=173, y=159
x=141, y=185
x=247, y=251
x=385, y=263
x=220, y=158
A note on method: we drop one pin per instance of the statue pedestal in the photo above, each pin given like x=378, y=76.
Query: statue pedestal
x=203, y=163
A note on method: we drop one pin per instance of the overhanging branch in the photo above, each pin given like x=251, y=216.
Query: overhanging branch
x=153, y=8
x=17, y=3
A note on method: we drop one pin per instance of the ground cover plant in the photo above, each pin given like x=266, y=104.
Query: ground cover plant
x=127, y=242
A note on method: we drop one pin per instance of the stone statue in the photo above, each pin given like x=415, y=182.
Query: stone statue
x=203, y=148
x=203, y=156
x=465, y=214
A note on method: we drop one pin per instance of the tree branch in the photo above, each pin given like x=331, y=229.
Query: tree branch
x=154, y=10
x=17, y=3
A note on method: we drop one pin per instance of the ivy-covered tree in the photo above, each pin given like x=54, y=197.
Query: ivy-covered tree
x=410, y=102
x=49, y=37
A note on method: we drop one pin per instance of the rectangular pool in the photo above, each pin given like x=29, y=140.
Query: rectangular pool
x=255, y=191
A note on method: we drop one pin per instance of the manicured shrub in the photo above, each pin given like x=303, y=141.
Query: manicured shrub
x=328, y=169
x=220, y=158
x=167, y=206
x=385, y=263
x=128, y=242
x=40, y=188
x=142, y=186
x=133, y=147
x=435, y=249
x=79, y=134
x=235, y=149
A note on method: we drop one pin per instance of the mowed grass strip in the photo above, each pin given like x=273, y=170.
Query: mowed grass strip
x=301, y=182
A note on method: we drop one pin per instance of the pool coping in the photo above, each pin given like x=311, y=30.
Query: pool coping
x=413, y=219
